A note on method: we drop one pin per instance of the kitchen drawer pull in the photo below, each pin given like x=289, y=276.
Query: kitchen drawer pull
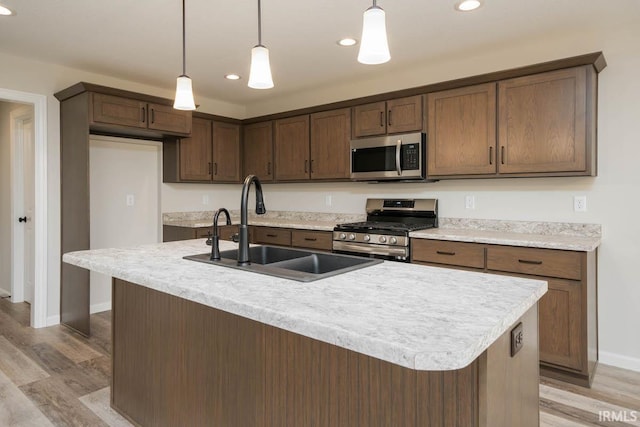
x=210, y=168
x=502, y=155
x=153, y=115
x=528, y=261
x=381, y=118
x=272, y=235
x=310, y=239
x=144, y=114
x=490, y=155
x=311, y=166
x=445, y=253
x=306, y=166
x=389, y=118
x=215, y=168
x=269, y=168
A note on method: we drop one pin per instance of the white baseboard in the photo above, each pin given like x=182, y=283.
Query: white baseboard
x=98, y=308
x=53, y=320
x=620, y=361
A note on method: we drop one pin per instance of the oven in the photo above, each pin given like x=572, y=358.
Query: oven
x=385, y=233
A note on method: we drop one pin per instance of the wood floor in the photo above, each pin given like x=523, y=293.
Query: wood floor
x=55, y=377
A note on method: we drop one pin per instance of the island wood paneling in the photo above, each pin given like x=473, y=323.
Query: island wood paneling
x=177, y=362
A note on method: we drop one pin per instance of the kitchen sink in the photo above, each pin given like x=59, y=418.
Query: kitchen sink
x=300, y=265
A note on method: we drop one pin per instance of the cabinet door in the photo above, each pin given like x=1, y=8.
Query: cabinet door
x=369, y=119
x=195, y=153
x=404, y=114
x=258, y=150
x=560, y=315
x=462, y=131
x=292, y=148
x=542, y=122
x=226, y=152
x=168, y=119
x=330, y=135
x=118, y=111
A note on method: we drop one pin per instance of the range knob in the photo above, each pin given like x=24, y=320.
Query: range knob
x=352, y=236
x=393, y=240
x=366, y=237
x=383, y=239
x=343, y=236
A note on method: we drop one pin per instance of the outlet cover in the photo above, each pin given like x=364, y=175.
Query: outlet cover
x=469, y=202
x=580, y=203
x=131, y=200
x=328, y=200
x=205, y=199
x=517, y=339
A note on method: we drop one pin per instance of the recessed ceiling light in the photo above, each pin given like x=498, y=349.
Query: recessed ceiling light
x=232, y=77
x=467, y=5
x=347, y=42
x=5, y=11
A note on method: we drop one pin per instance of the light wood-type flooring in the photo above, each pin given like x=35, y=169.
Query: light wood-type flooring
x=55, y=377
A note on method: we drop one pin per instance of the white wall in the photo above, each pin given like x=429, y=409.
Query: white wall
x=611, y=196
x=42, y=78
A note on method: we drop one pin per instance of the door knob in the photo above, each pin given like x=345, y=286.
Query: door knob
x=23, y=219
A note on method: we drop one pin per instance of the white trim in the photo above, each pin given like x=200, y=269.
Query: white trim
x=53, y=320
x=100, y=307
x=39, y=304
x=619, y=360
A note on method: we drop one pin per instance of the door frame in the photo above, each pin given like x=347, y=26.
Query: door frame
x=39, y=102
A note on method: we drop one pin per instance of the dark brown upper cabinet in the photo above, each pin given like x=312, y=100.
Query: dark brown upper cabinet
x=393, y=116
x=461, y=128
x=546, y=123
x=329, y=144
x=196, y=152
x=211, y=154
x=258, y=150
x=291, y=148
x=120, y=111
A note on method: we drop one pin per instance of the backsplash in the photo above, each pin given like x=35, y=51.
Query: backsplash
x=529, y=227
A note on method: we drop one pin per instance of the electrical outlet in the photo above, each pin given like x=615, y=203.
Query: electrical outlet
x=205, y=199
x=580, y=203
x=328, y=200
x=131, y=200
x=469, y=202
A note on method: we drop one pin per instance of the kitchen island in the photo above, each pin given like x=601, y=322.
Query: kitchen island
x=392, y=344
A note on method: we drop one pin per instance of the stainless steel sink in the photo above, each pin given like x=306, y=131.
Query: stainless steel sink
x=303, y=266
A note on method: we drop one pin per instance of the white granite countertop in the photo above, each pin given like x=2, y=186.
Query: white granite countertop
x=419, y=317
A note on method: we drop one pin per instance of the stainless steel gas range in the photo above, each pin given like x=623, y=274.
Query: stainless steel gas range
x=385, y=233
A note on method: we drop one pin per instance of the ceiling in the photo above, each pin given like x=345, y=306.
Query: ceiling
x=141, y=40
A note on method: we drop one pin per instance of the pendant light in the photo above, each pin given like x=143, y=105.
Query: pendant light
x=260, y=74
x=184, y=90
x=374, y=48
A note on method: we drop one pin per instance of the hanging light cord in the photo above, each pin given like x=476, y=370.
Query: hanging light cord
x=259, y=23
x=184, y=44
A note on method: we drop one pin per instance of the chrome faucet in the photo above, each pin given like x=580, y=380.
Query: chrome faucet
x=243, y=231
x=215, y=239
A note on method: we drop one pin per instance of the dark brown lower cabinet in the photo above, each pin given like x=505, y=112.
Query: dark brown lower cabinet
x=171, y=233
x=177, y=362
x=568, y=313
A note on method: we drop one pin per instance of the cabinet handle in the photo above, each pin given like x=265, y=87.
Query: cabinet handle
x=527, y=261
x=272, y=235
x=210, y=168
x=306, y=166
x=269, y=168
x=381, y=118
x=310, y=239
x=502, y=155
x=153, y=116
x=389, y=118
x=445, y=253
x=215, y=168
x=311, y=166
x=490, y=155
x=144, y=114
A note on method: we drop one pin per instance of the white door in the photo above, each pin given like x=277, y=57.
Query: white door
x=28, y=159
x=124, y=182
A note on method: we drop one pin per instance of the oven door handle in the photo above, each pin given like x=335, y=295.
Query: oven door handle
x=398, y=148
x=370, y=249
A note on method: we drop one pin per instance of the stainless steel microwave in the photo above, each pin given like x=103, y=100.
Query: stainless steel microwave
x=388, y=158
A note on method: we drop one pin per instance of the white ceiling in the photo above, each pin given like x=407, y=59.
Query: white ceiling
x=140, y=40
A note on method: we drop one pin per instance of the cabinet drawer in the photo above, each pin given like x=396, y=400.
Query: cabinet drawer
x=322, y=240
x=449, y=253
x=203, y=232
x=226, y=232
x=272, y=236
x=539, y=262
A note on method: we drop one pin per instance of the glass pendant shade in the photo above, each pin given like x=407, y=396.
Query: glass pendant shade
x=374, y=48
x=184, y=94
x=260, y=74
